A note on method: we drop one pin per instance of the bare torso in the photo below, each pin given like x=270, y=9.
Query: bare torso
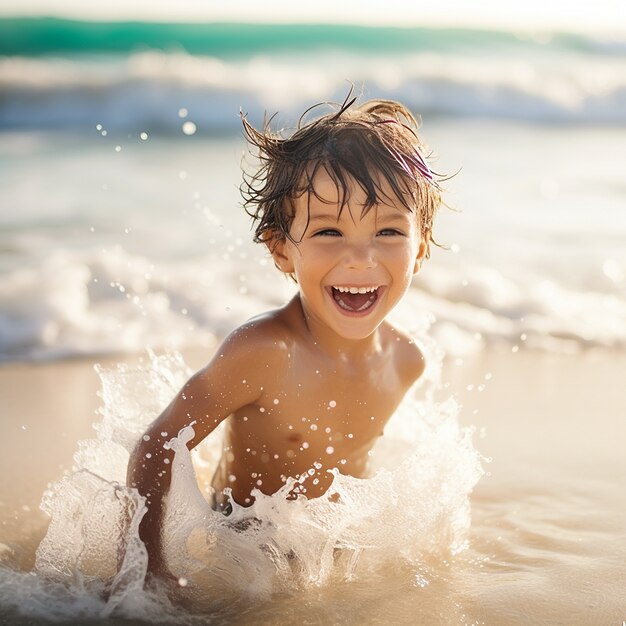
x=315, y=413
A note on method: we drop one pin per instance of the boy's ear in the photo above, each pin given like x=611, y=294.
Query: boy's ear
x=422, y=253
x=279, y=249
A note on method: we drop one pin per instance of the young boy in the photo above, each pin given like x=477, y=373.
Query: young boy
x=345, y=206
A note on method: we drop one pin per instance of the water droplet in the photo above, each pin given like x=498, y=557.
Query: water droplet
x=313, y=426
x=118, y=148
x=276, y=401
x=183, y=582
x=189, y=128
x=182, y=112
x=148, y=455
x=98, y=126
x=332, y=404
x=327, y=429
x=166, y=461
x=143, y=136
x=163, y=434
x=146, y=437
x=232, y=478
x=24, y=427
x=104, y=133
x=305, y=445
x=514, y=348
x=330, y=450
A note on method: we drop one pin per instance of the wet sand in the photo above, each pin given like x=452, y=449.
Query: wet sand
x=548, y=539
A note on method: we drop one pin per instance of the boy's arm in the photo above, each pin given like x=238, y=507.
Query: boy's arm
x=230, y=381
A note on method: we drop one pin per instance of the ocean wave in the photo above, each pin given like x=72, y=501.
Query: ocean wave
x=145, y=90
x=86, y=303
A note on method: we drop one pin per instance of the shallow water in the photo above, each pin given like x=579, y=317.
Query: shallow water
x=546, y=543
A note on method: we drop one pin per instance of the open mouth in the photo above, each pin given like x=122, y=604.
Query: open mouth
x=355, y=299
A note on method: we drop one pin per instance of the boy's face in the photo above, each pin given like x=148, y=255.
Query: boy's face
x=375, y=255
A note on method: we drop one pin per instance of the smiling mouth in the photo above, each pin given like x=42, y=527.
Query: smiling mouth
x=355, y=299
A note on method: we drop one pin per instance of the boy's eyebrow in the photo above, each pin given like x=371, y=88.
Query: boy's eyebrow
x=324, y=217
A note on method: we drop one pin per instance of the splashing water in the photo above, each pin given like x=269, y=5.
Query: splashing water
x=92, y=564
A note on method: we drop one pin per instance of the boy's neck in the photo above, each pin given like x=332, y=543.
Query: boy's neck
x=334, y=346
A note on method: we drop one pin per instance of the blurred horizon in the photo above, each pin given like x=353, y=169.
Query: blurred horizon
x=606, y=17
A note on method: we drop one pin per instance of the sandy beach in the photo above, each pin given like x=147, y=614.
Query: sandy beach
x=548, y=518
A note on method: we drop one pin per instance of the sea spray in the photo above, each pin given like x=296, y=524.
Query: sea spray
x=413, y=512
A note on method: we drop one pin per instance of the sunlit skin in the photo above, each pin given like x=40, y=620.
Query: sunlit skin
x=310, y=386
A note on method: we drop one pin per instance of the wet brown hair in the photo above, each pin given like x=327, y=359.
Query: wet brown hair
x=377, y=139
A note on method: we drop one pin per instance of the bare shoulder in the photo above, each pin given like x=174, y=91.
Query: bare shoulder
x=261, y=341
x=408, y=357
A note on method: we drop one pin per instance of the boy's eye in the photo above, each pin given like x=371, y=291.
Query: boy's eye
x=327, y=232
x=387, y=232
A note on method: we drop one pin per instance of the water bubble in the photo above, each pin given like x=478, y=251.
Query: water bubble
x=163, y=434
x=98, y=126
x=148, y=455
x=316, y=481
x=232, y=478
x=313, y=426
x=305, y=445
x=332, y=404
x=330, y=450
x=182, y=582
x=327, y=429
x=146, y=437
x=189, y=128
x=118, y=148
x=166, y=461
x=143, y=136
x=182, y=112
x=276, y=401
x=104, y=133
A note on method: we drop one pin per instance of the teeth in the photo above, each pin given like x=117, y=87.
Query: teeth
x=355, y=289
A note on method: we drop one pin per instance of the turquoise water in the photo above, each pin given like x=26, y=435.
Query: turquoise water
x=36, y=36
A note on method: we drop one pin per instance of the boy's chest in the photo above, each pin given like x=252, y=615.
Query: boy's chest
x=331, y=405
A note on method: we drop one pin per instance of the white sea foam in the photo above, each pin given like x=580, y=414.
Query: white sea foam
x=91, y=564
x=84, y=303
x=147, y=88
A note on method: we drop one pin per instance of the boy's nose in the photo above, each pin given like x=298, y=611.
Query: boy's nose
x=360, y=257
